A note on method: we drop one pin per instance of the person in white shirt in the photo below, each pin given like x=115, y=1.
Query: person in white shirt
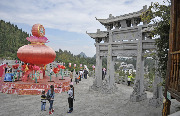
x=70, y=98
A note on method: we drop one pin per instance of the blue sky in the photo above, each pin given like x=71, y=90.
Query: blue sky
x=66, y=21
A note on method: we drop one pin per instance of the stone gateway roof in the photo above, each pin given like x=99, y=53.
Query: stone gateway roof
x=112, y=19
x=98, y=34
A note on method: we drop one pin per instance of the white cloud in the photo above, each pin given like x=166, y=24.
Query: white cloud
x=68, y=15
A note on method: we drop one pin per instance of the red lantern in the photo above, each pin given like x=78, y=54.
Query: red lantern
x=60, y=66
x=36, y=68
x=36, y=54
x=69, y=64
x=56, y=70
x=30, y=66
x=22, y=69
x=24, y=66
x=15, y=66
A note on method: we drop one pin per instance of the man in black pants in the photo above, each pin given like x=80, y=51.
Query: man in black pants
x=85, y=73
x=70, y=98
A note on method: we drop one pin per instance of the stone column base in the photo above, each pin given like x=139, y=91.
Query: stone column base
x=94, y=86
x=109, y=89
x=106, y=88
x=138, y=97
x=156, y=102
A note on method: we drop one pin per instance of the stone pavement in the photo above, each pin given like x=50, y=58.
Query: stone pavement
x=87, y=103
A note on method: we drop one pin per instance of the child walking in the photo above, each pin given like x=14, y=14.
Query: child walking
x=43, y=101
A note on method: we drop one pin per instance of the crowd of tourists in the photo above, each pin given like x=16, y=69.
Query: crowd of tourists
x=79, y=75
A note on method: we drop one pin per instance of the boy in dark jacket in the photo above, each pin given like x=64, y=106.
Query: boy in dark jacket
x=43, y=101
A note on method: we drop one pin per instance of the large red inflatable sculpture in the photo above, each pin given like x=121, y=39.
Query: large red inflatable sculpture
x=36, y=54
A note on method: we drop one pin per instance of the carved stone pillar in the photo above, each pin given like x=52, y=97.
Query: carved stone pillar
x=112, y=71
x=109, y=57
x=139, y=91
x=157, y=98
x=108, y=84
x=98, y=70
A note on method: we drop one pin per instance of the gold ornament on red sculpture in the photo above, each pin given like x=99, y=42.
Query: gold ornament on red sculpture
x=38, y=30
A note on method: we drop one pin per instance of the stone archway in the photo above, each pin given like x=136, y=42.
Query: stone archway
x=127, y=39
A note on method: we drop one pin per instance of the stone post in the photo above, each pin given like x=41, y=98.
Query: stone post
x=108, y=85
x=157, y=98
x=109, y=57
x=139, y=91
x=98, y=70
x=112, y=71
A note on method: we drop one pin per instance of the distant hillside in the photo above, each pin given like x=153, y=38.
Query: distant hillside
x=67, y=57
x=83, y=55
x=11, y=39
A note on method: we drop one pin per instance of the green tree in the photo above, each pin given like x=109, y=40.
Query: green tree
x=67, y=57
x=11, y=39
x=160, y=15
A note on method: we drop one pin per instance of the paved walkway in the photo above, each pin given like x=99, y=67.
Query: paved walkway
x=88, y=103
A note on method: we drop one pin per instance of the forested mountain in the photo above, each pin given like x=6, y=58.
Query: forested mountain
x=82, y=54
x=11, y=38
